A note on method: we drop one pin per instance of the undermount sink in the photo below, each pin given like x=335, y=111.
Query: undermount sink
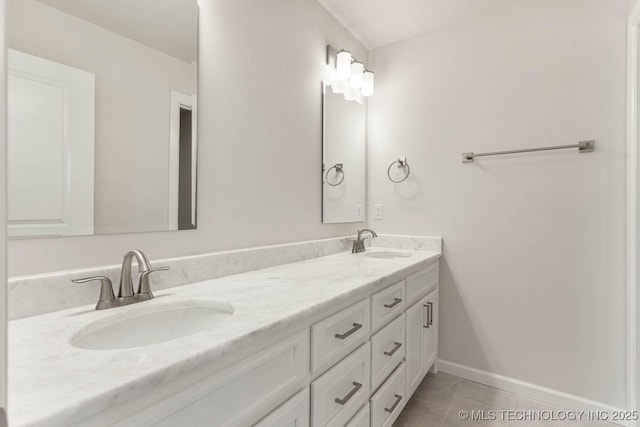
x=387, y=255
x=156, y=323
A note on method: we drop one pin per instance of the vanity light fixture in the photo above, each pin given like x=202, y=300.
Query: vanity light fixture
x=343, y=65
x=357, y=71
x=347, y=76
x=367, y=83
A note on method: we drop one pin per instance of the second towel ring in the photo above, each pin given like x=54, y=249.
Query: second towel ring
x=402, y=163
x=339, y=167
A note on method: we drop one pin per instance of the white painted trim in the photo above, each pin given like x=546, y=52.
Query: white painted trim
x=522, y=388
x=632, y=188
x=178, y=101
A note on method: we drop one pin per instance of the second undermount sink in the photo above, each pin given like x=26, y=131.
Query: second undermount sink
x=152, y=324
x=387, y=254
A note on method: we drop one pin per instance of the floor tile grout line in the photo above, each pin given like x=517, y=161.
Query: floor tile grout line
x=446, y=412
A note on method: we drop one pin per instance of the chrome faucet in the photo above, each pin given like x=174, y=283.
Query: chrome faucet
x=358, y=244
x=126, y=282
x=126, y=294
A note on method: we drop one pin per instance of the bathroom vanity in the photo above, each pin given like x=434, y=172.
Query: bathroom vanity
x=337, y=340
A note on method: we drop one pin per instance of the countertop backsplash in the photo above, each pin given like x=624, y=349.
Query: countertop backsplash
x=44, y=293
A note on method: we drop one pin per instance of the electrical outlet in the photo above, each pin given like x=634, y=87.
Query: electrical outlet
x=377, y=212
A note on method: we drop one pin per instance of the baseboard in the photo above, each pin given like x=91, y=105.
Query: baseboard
x=529, y=390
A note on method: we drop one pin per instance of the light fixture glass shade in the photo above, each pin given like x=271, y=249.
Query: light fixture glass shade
x=367, y=83
x=329, y=77
x=343, y=65
x=357, y=68
x=341, y=86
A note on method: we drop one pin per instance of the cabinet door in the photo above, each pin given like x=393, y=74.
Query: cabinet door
x=430, y=350
x=293, y=413
x=416, y=368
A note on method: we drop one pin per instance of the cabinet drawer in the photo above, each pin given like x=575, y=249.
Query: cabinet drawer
x=387, y=351
x=238, y=396
x=387, y=304
x=362, y=418
x=338, y=335
x=293, y=413
x=389, y=401
x=419, y=284
x=341, y=391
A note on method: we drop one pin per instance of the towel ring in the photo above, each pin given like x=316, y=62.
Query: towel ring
x=402, y=163
x=339, y=167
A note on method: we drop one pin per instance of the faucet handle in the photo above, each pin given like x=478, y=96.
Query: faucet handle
x=144, y=288
x=106, y=290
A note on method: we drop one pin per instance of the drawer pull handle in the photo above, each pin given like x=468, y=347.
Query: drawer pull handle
x=356, y=328
x=395, y=404
x=395, y=302
x=430, y=304
x=428, y=316
x=392, y=352
x=356, y=386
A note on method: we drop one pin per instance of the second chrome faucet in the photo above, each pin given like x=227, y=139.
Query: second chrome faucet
x=358, y=244
x=126, y=293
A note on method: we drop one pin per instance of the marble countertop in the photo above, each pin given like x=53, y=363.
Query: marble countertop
x=52, y=383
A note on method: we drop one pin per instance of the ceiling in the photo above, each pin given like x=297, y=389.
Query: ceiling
x=377, y=23
x=170, y=26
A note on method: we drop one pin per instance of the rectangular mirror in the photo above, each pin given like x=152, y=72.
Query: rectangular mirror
x=102, y=116
x=343, y=154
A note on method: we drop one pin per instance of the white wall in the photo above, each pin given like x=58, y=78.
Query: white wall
x=133, y=86
x=260, y=152
x=533, y=275
x=3, y=214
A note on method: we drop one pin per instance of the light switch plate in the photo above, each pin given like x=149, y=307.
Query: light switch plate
x=359, y=211
x=377, y=212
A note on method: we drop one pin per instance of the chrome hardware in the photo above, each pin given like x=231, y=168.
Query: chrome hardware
x=126, y=295
x=402, y=163
x=358, y=244
x=395, y=404
x=428, y=315
x=126, y=283
x=356, y=386
x=339, y=167
x=356, y=328
x=107, y=298
x=392, y=352
x=430, y=304
x=144, y=289
x=395, y=302
x=582, y=146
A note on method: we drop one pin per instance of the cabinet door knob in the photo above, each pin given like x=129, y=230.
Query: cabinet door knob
x=356, y=386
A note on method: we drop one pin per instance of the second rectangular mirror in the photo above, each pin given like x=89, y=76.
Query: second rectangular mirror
x=343, y=143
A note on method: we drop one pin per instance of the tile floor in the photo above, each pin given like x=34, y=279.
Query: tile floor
x=440, y=398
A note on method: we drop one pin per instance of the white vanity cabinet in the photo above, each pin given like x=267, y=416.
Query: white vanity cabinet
x=356, y=367
x=293, y=413
x=416, y=319
x=422, y=339
x=430, y=348
x=237, y=396
x=421, y=324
